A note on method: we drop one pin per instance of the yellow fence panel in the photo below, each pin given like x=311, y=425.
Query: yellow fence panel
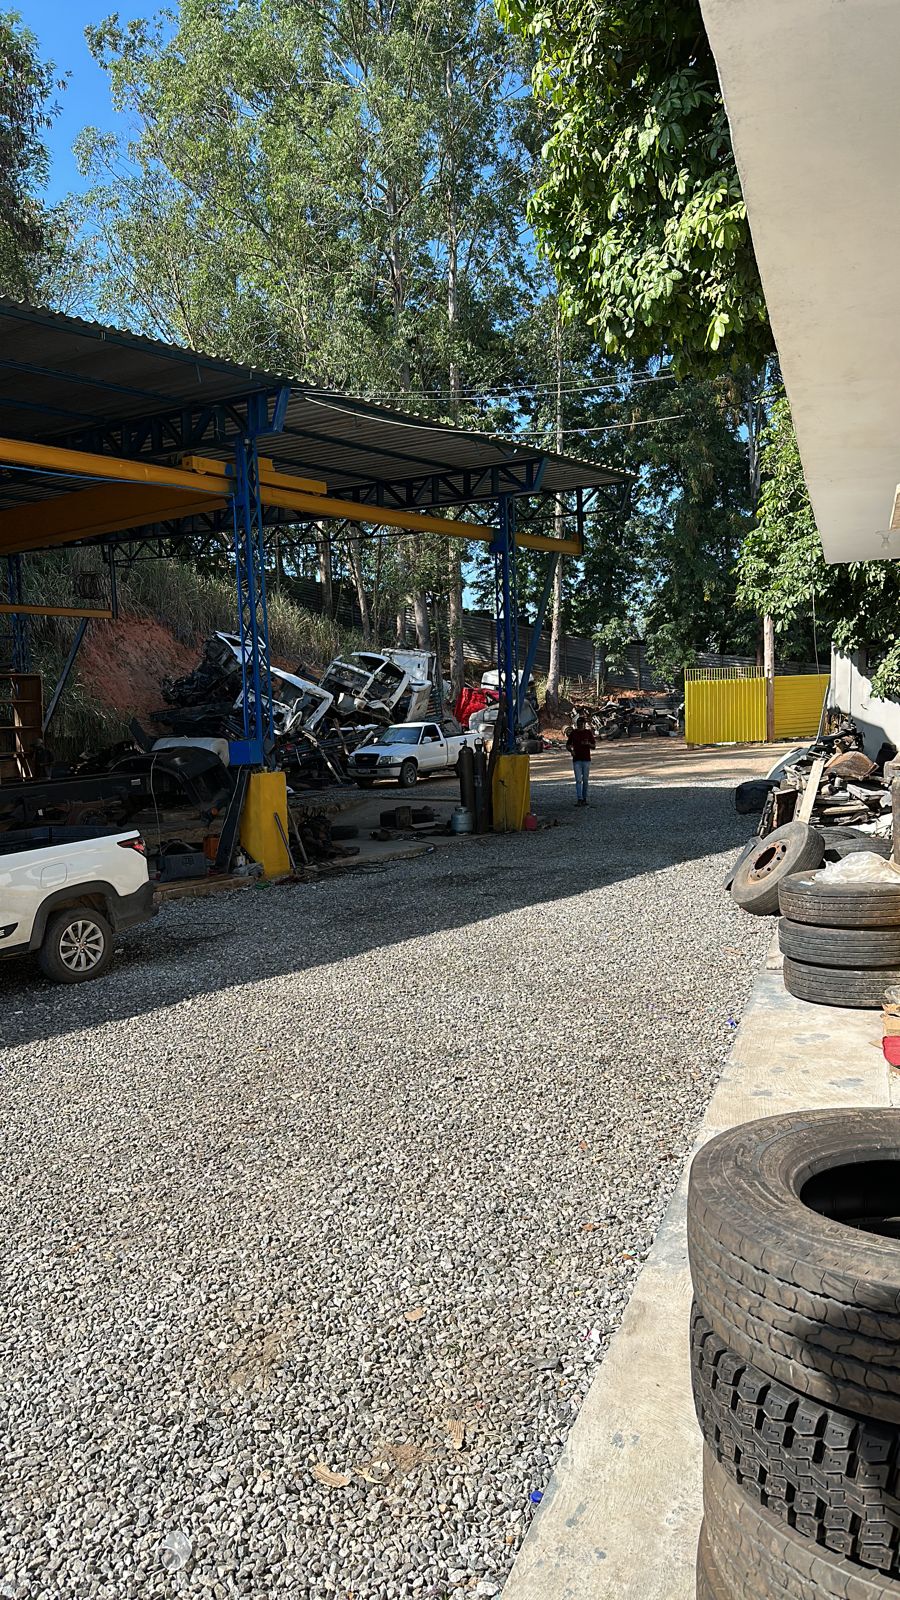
x=725, y=709
x=798, y=705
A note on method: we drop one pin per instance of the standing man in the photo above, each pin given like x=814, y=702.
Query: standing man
x=581, y=742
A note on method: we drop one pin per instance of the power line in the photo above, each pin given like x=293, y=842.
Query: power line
x=517, y=389
x=611, y=427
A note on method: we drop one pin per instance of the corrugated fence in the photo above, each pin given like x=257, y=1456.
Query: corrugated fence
x=727, y=705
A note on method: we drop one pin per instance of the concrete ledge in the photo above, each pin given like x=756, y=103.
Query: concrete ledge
x=621, y=1514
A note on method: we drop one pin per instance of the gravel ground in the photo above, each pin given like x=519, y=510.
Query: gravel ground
x=354, y=1177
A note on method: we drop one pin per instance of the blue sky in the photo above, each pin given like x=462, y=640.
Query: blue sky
x=59, y=26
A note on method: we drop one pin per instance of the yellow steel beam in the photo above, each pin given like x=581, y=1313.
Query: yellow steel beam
x=51, y=611
x=91, y=512
x=208, y=466
x=81, y=463
x=272, y=483
x=544, y=541
x=144, y=495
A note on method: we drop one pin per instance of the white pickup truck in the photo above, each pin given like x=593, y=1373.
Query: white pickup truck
x=407, y=752
x=65, y=893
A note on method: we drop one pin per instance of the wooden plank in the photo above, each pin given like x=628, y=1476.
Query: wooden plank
x=189, y=888
x=811, y=791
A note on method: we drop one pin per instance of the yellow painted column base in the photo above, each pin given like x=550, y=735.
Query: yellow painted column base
x=266, y=799
x=511, y=793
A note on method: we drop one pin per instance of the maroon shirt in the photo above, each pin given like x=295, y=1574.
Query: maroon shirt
x=581, y=742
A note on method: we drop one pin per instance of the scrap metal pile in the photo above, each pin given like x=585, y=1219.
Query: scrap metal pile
x=316, y=724
x=623, y=716
x=833, y=782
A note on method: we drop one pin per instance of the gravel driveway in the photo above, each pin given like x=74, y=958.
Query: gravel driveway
x=352, y=1177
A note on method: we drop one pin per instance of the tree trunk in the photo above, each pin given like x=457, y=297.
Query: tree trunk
x=552, y=696
x=455, y=618
x=455, y=551
x=769, y=669
x=354, y=556
x=556, y=617
x=326, y=570
x=420, y=613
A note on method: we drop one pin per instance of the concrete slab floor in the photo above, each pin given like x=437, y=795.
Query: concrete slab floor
x=622, y=1512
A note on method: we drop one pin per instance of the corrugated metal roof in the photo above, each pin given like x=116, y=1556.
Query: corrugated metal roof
x=60, y=376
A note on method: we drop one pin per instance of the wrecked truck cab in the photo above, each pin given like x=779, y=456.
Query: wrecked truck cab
x=296, y=702
x=392, y=685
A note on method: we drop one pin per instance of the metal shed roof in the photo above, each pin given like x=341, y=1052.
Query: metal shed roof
x=64, y=380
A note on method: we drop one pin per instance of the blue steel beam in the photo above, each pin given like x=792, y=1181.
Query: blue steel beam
x=265, y=414
x=250, y=576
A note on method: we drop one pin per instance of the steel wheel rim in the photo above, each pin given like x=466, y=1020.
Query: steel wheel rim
x=81, y=946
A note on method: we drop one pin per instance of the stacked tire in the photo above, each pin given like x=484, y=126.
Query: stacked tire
x=793, y=1229
x=840, y=941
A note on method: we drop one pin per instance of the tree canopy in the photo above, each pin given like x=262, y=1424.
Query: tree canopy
x=26, y=85
x=782, y=571
x=640, y=209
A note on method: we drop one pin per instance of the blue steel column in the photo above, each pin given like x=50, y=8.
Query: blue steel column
x=507, y=616
x=21, y=654
x=253, y=620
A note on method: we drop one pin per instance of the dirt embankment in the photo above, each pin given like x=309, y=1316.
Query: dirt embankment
x=122, y=664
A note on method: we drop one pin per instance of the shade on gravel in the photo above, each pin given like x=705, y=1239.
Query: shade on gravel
x=349, y=1182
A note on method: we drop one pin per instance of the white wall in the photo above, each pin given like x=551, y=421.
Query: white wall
x=851, y=690
x=812, y=98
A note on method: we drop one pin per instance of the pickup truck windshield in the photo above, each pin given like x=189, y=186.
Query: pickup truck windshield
x=399, y=735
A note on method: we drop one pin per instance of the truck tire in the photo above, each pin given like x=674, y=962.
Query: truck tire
x=859, y=988
x=840, y=842
x=409, y=774
x=809, y=897
x=793, y=848
x=753, y=844
x=751, y=795
x=839, y=947
x=77, y=945
x=792, y=1230
x=710, y=1583
x=833, y=1477
x=755, y=1557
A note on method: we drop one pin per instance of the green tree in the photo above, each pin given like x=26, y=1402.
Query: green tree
x=640, y=210
x=326, y=191
x=781, y=569
x=26, y=84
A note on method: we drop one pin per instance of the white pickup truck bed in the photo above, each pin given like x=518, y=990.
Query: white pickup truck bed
x=64, y=892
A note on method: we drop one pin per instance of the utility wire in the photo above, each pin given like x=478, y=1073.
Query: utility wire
x=526, y=389
x=611, y=427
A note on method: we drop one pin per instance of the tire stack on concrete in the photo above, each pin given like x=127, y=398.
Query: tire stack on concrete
x=793, y=1225
x=840, y=941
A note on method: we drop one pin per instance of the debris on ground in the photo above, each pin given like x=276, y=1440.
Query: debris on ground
x=831, y=783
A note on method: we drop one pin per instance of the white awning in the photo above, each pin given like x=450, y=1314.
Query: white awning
x=811, y=88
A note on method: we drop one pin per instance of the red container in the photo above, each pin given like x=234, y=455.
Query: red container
x=890, y=1044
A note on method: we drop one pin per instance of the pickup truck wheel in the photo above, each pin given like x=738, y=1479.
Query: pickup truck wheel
x=78, y=944
x=409, y=773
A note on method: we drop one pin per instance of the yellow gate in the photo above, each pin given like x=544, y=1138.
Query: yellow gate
x=798, y=705
x=727, y=705
x=724, y=705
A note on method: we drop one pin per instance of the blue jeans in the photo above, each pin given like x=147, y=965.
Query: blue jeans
x=582, y=768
